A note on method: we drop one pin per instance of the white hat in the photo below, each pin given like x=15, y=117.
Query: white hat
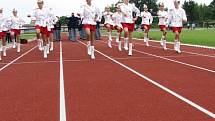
x=145, y=6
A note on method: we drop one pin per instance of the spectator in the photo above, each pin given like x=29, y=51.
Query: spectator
x=72, y=26
x=57, y=28
x=82, y=32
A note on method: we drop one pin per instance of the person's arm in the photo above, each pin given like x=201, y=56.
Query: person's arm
x=184, y=16
x=150, y=18
x=137, y=11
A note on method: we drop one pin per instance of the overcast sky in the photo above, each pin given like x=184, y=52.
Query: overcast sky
x=62, y=7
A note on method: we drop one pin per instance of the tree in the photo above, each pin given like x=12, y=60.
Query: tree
x=212, y=9
x=153, y=7
x=191, y=9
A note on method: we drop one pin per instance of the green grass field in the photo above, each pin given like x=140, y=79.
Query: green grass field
x=205, y=37
x=28, y=36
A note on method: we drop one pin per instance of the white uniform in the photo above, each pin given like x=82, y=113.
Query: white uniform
x=41, y=15
x=117, y=19
x=127, y=11
x=16, y=22
x=4, y=23
x=88, y=13
x=51, y=20
x=108, y=18
x=147, y=18
x=176, y=17
x=163, y=16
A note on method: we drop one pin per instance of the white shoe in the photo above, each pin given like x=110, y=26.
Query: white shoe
x=109, y=44
x=130, y=49
x=120, y=46
x=88, y=48
x=52, y=46
x=92, y=52
x=18, y=47
x=161, y=42
x=45, y=51
x=14, y=45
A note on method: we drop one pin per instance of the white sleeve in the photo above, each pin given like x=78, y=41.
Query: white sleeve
x=184, y=16
x=151, y=18
x=136, y=10
x=169, y=17
x=82, y=11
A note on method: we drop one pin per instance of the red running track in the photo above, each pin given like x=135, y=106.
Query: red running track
x=101, y=90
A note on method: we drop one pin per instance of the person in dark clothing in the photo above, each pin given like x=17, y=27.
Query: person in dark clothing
x=57, y=30
x=72, y=26
x=82, y=32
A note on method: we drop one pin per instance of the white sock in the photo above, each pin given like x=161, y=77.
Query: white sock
x=126, y=43
x=179, y=47
x=130, y=49
x=52, y=46
x=45, y=51
x=109, y=36
x=175, y=45
x=47, y=48
x=92, y=52
x=117, y=37
x=18, y=47
x=109, y=44
x=88, y=48
x=14, y=43
x=164, y=44
x=120, y=45
x=0, y=47
x=145, y=37
x=4, y=50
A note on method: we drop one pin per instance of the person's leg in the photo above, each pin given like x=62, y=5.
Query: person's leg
x=12, y=35
x=75, y=34
x=130, y=43
x=39, y=40
x=109, y=35
x=88, y=33
x=146, y=39
x=92, y=44
x=51, y=40
x=126, y=37
x=4, y=48
x=18, y=40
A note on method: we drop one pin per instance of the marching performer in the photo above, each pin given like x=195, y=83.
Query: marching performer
x=108, y=24
x=128, y=21
x=16, y=24
x=147, y=20
x=176, y=17
x=117, y=18
x=163, y=17
x=89, y=13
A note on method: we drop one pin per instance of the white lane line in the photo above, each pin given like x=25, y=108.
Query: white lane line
x=211, y=114
x=175, y=61
x=179, y=62
x=62, y=91
x=192, y=53
x=17, y=58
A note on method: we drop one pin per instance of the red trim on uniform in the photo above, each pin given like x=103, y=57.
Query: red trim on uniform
x=145, y=25
x=16, y=31
x=37, y=27
x=118, y=30
x=44, y=30
x=177, y=29
x=111, y=26
x=130, y=26
x=3, y=34
x=89, y=26
x=162, y=27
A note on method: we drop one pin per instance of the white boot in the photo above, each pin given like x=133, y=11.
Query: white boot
x=117, y=37
x=147, y=42
x=179, y=47
x=18, y=47
x=14, y=43
x=4, y=51
x=164, y=45
x=109, y=36
x=52, y=46
x=88, y=48
x=120, y=45
x=109, y=44
x=40, y=44
x=126, y=43
x=130, y=49
x=45, y=51
x=92, y=52
x=175, y=45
